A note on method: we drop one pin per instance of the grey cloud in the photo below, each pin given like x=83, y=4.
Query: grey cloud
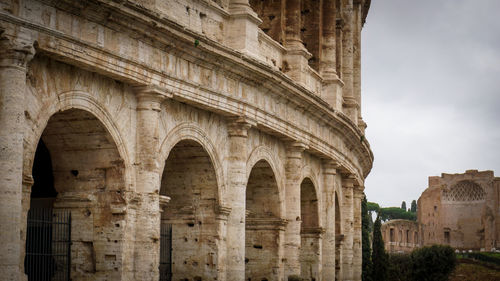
x=431, y=92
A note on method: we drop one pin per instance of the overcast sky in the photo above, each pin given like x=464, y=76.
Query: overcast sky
x=431, y=92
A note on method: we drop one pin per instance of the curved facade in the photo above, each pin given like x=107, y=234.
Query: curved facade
x=234, y=124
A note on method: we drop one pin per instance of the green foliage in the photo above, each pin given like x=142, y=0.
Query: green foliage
x=403, y=205
x=413, y=208
x=379, y=256
x=434, y=263
x=372, y=207
x=392, y=213
x=365, y=239
x=486, y=257
x=400, y=266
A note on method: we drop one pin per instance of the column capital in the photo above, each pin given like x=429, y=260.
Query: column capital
x=350, y=102
x=294, y=149
x=330, y=166
x=239, y=126
x=358, y=191
x=348, y=180
x=16, y=50
x=150, y=97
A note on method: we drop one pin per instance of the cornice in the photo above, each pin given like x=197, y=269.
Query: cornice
x=234, y=63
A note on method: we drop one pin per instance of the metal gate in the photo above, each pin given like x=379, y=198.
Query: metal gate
x=48, y=245
x=165, y=252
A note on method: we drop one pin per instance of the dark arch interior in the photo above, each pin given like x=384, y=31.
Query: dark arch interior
x=43, y=191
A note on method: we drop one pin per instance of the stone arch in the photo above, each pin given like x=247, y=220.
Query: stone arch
x=264, y=153
x=190, y=180
x=264, y=226
x=307, y=172
x=89, y=177
x=310, y=231
x=192, y=131
x=75, y=100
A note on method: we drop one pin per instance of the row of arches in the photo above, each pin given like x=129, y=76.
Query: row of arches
x=77, y=166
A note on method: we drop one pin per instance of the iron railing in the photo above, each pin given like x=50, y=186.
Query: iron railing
x=165, y=252
x=48, y=245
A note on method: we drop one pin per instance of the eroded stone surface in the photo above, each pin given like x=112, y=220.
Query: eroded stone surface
x=241, y=136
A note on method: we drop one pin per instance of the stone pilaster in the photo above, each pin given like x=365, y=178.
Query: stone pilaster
x=237, y=180
x=328, y=248
x=357, y=25
x=297, y=57
x=348, y=221
x=292, y=201
x=16, y=50
x=332, y=85
x=244, y=31
x=350, y=105
x=357, y=255
x=146, y=200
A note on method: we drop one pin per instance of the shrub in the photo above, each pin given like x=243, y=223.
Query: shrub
x=400, y=267
x=434, y=263
x=486, y=257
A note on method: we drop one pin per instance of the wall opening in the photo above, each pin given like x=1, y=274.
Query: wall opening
x=311, y=30
x=272, y=15
x=264, y=229
x=447, y=237
x=310, y=233
x=190, y=181
x=338, y=238
x=77, y=168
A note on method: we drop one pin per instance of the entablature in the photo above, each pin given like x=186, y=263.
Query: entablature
x=328, y=133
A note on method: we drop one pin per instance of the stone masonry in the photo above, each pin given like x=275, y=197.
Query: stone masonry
x=234, y=124
x=400, y=236
x=461, y=210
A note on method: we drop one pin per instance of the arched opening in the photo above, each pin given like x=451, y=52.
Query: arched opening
x=338, y=238
x=264, y=227
x=189, y=179
x=310, y=232
x=272, y=15
x=311, y=30
x=74, y=228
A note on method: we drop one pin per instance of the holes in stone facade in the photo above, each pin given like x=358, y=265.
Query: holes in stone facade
x=310, y=245
x=77, y=158
x=464, y=191
x=190, y=181
x=271, y=14
x=263, y=224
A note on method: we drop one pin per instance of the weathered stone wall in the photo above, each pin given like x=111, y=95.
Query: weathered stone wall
x=400, y=236
x=186, y=113
x=459, y=210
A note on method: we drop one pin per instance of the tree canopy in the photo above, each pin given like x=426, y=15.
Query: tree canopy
x=414, y=206
x=392, y=213
x=365, y=238
x=403, y=205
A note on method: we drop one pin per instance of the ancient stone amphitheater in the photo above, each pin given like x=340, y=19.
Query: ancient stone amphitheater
x=181, y=139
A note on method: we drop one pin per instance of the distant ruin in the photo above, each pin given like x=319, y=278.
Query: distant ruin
x=459, y=210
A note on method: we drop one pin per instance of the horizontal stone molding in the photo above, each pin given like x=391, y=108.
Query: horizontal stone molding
x=96, y=58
